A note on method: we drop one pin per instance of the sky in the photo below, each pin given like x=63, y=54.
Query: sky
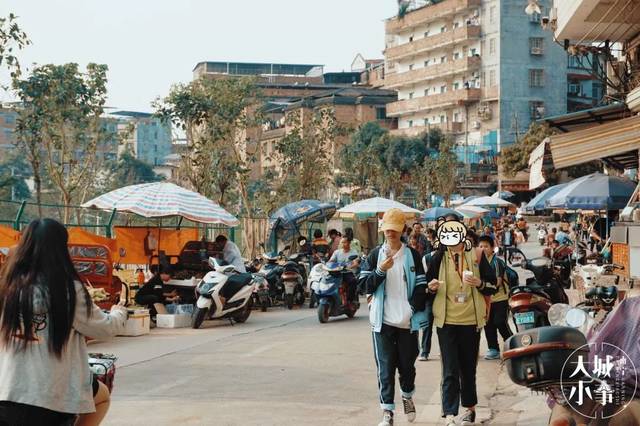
x=149, y=45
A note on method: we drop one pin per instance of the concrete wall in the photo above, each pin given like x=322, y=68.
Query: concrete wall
x=515, y=62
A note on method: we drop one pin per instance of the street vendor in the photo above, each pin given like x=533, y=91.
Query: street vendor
x=152, y=291
x=230, y=253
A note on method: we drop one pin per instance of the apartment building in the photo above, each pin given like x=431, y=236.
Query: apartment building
x=8, y=119
x=146, y=136
x=479, y=70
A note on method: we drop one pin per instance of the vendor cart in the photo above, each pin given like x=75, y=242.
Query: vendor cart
x=95, y=266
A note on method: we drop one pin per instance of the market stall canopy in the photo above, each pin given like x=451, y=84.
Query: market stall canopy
x=596, y=191
x=616, y=143
x=491, y=202
x=503, y=194
x=539, y=201
x=372, y=207
x=459, y=202
x=287, y=219
x=434, y=213
x=471, y=212
x=159, y=199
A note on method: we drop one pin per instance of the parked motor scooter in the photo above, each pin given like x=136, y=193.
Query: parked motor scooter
x=294, y=275
x=530, y=303
x=223, y=293
x=333, y=291
x=312, y=283
x=271, y=270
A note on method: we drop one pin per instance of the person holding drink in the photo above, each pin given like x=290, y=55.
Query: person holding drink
x=459, y=309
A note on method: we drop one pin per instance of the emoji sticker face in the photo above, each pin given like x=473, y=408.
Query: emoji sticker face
x=450, y=233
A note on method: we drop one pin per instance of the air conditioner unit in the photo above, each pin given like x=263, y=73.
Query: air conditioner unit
x=475, y=124
x=536, y=51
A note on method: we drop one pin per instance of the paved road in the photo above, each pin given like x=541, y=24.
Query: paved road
x=281, y=367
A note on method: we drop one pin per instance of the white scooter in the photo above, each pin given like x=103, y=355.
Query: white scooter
x=224, y=293
x=313, y=281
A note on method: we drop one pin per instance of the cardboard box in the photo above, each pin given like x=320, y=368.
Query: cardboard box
x=138, y=323
x=173, y=321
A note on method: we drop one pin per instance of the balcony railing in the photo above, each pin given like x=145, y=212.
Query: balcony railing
x=454, y=128
x=430, y=13
x=433, y=42
x=273, y=133
x=454, y=97
x=431, y=72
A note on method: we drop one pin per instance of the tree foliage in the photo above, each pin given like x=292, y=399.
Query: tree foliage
x=12, y=38
x=128, y=170
x=214, y=115
x=13, y=170
x=60, y=119
x=440, y=174
x=515, y=158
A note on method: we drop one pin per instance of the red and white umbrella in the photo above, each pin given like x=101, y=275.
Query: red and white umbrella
x=161, y=199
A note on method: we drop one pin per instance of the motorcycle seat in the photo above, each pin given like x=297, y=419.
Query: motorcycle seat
x=234, y=284
x=528, y=289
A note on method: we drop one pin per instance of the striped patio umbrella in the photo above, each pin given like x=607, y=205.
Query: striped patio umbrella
x=161, y=199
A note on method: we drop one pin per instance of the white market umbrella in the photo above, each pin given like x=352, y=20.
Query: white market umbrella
x=159, y=199
x=491, y=202
x=472, y=211
x=373, y=207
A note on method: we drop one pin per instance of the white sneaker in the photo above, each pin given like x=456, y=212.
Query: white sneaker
x=387, y=418
x=409, y=409
x=450, y=420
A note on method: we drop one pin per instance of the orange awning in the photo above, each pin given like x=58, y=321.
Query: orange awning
x=8, y=237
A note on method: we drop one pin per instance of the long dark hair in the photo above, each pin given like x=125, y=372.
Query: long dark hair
x=40, y=258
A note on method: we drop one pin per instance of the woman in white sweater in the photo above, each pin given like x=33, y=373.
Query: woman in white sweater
x=45, y=315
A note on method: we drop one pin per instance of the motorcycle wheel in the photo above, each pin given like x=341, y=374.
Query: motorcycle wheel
x=351, y=313
x=299, y=297
x=198, y=317
x=289, y=301
x=243, y=315
x=264, y=305
x=323, y=313
x=312, y=300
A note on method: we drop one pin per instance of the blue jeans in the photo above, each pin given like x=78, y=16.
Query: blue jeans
x=427, y=332
x=395, y=349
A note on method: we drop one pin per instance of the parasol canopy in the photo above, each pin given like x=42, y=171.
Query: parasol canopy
x=373, y=206
x=538, y=202
x=596, y=191
x=287, y=219
x=491, y=202
x=471, y=212
x=503, y=194
x=160, y=199
x=461, y=201
x=434, y=213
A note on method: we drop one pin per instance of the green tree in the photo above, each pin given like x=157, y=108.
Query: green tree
x=60, y=119
x=439, y=172
x=360, y=159
x=215, y=116
x=128, y=170
x=515, y=158
x=12, y=38
x=303, y=153
x=13, y=170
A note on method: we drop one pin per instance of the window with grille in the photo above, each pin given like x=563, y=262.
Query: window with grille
x=536, y=109
x=536, y=45
x=492, y=46
x=492, y=78
x=492, y=15
x=411, y=95
x=536, y=78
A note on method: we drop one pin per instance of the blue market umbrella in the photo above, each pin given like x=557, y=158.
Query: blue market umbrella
x=434, y=213
x=505, y=195
x=285, y=221
x=594, y=192
x=538, y=202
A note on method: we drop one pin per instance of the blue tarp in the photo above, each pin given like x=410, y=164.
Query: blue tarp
x=594, y=192
x=285, y=222
x=538, y=202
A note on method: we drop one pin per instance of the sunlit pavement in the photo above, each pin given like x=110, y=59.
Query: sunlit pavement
x=284, y=368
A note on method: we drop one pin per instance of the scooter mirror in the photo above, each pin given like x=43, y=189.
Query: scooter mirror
x=213, y=262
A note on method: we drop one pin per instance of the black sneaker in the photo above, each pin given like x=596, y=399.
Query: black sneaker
x=409, y=409
x=387, y=418
x=469, y=418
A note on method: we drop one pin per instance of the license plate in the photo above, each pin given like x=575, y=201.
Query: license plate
x=525, y=318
